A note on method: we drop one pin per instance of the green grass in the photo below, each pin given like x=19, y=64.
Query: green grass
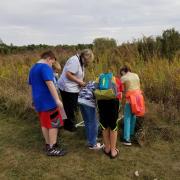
x=22, y=157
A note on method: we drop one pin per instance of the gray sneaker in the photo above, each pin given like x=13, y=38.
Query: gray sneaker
x=97, y=146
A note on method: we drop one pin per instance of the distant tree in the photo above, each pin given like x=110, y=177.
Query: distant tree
x=31, y=47
x=170, y=43
x=103, y=49
x=100, y=45
x=166, y=45
x=147, y=47
x=83, y=46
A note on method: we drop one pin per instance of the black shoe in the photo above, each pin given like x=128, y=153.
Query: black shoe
x=54, y=151
x=127, y=143
x=71, y=129
x=47, y=147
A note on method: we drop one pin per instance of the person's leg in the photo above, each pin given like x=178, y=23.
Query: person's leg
x=102, y=109
x=54, y=122
x=53, y=132
x=113, y=140
x=50, y=122
x=106, y=140
x=45, y=133
x=43, y=117
x=53, y=149
x=113, y=118
x=70, y=107
x=93, y=125
x=90, y=120
x=74, y=102
x=133, y=124
x=127, y=119
x=86, y=121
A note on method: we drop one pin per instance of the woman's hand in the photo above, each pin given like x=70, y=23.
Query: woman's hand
x=82, y=83
x=72, y=77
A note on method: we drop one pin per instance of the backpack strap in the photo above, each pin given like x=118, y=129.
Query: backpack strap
x=81, y=62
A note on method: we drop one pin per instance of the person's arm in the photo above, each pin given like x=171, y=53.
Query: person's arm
x=72, y=77
x=54, y=93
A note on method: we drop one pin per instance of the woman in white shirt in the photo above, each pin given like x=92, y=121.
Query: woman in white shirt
x=70, y=83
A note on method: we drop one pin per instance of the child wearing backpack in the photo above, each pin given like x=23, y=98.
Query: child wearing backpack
x=109, y=95
x=86, y=100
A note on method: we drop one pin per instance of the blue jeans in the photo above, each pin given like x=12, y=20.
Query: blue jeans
x=91, y=123
x=129, y=122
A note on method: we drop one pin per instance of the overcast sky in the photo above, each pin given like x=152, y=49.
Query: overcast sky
x=54, y=22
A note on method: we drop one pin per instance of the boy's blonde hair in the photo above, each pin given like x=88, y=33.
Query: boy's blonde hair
x=56, y=67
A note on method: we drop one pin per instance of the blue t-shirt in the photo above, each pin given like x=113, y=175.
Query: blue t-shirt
x=42, y=98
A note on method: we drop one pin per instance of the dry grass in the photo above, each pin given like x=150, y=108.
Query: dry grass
x=22, y=157
x=21, y=140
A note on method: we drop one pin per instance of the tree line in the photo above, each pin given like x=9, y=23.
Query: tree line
x=166, y=46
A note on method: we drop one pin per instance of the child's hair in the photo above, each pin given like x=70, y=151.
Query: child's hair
x=48, y=54
x=56, y=67
x=125, y=69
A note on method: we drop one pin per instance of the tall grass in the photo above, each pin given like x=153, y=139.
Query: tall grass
x=160, y=81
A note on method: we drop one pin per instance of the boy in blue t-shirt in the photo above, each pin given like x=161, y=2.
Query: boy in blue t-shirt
x=46, y=101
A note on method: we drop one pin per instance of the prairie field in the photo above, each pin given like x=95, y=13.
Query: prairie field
x=156, y=155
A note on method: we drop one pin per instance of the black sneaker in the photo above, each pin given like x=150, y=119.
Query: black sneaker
x=56, y=152
x=127, y=143
x=47, y=147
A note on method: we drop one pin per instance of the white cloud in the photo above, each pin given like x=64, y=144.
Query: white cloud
x=72, y=22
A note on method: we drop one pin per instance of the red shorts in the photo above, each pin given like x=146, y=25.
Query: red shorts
x=51, y=119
